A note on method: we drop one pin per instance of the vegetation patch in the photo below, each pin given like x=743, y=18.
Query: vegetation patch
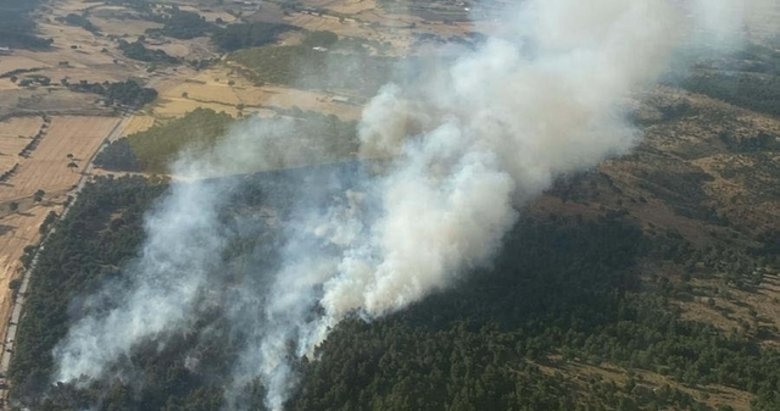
x=153, y=150
x=79, y=20
x=749, y=79
x=137, y=51
x=124, y=93
x=314, y=67
x=246, y=35
x=182, y=25
x=118, y=156
x=17, y=27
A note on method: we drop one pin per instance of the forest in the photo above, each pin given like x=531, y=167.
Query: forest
x=181, y=24
x=123, y=93
x=137, y=51
x=245, y=35
x=80, y=20
x=153, y=150
x=749, y=78
x=563, y=291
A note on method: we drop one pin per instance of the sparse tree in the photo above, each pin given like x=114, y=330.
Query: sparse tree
x=38, y=196
x=13, y=206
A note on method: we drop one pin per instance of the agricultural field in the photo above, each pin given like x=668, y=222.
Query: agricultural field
x=138, y=123
x=122, y=27
x=223, y=88
x=15, y=134
x=55, y=165
x=55, y=101
x=394, y=25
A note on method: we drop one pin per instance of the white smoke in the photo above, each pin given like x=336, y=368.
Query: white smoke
x=183, y=244
x=462, y=153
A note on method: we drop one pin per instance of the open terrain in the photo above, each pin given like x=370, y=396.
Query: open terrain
x=55, y=165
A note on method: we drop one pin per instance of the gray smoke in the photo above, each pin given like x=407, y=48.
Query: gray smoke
x=461, y=154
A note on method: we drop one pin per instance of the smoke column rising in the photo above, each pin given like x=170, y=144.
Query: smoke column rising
x=494, y=130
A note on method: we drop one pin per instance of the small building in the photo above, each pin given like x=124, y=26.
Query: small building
x=340, y=99
x=4, y=51
x=320, y=49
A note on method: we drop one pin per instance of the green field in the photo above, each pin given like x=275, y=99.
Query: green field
x=317, y=138
x=340, y=64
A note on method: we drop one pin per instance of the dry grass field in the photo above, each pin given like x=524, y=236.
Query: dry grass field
x=737, y=310
x=210, y=14
x=88, y=61
x=193, y=49
x=15, y=134
x=716, y=395
x=128, y=28
x=48, y=100
x=137, y=124
x=20, y=127
x=47, y=168
x=223, y=89
x=367, y=20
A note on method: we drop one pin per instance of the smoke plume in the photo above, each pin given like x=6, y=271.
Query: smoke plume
x=453, y=159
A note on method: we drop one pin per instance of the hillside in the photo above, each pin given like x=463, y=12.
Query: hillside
x=650, y=281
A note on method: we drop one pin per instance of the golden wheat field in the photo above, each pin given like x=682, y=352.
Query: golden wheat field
x=15, y=134
x=47, y=167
